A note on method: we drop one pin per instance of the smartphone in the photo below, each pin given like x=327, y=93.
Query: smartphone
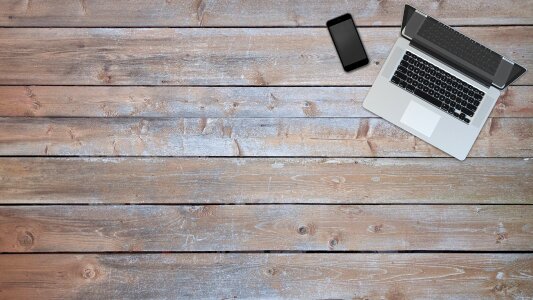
x=347, y=42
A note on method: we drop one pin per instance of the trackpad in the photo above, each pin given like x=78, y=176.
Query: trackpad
x=420, y=118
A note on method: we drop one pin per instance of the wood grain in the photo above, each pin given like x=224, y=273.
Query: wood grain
x=265, y=180
x=209, y=56
x=265, y=227
x=253, y=276
x=212, y=102
x=138, y=13
x=331, y=137
x=75, y=80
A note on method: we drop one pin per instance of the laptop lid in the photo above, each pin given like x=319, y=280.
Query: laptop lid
x=458, y=51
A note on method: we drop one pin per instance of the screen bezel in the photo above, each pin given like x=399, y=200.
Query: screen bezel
x=356, y=64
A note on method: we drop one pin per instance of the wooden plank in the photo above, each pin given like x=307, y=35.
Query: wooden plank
x=266, y=227
x=272, y=276
x=265, y=180
x=332, y=137
x=101, y=13
x=208, y=56
x=211, y=102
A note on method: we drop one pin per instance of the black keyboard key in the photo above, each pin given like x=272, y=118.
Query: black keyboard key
x=471, y=107
x=428, y=97
x=395, y=79
x=403, y=84
x=410, y=88
x=468, y=112
x=400, y=75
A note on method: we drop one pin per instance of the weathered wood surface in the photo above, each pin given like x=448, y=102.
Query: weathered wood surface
x=331, y=137
x=253, y=276
x=265, y=180
x=247, y=92
x=265, y=227
x=211, y=102
x=138, y=13
x=209, y=56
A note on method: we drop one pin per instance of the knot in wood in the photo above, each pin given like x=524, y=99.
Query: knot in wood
x=25, y=239
x=303, y=230
x=377, y=228
x=271, y=271
x=88, y=272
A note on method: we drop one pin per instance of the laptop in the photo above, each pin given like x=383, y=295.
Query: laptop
x=439, y=84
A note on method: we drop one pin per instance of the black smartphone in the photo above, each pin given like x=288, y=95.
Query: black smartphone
x=347, y=42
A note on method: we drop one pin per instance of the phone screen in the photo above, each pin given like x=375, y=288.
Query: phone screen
x=347, y=42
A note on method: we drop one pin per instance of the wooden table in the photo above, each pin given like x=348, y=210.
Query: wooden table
x=216, y=149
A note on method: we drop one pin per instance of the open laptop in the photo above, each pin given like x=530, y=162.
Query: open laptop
x=439, y=84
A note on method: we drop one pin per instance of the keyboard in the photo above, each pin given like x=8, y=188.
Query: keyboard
x=460, y=45
x=437, y=87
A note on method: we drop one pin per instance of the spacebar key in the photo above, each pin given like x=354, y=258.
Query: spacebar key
x=428, y=97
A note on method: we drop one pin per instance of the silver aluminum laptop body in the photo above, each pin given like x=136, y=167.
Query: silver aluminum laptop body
x=419, y=117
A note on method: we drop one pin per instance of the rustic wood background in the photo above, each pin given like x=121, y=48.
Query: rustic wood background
x=216, y=149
